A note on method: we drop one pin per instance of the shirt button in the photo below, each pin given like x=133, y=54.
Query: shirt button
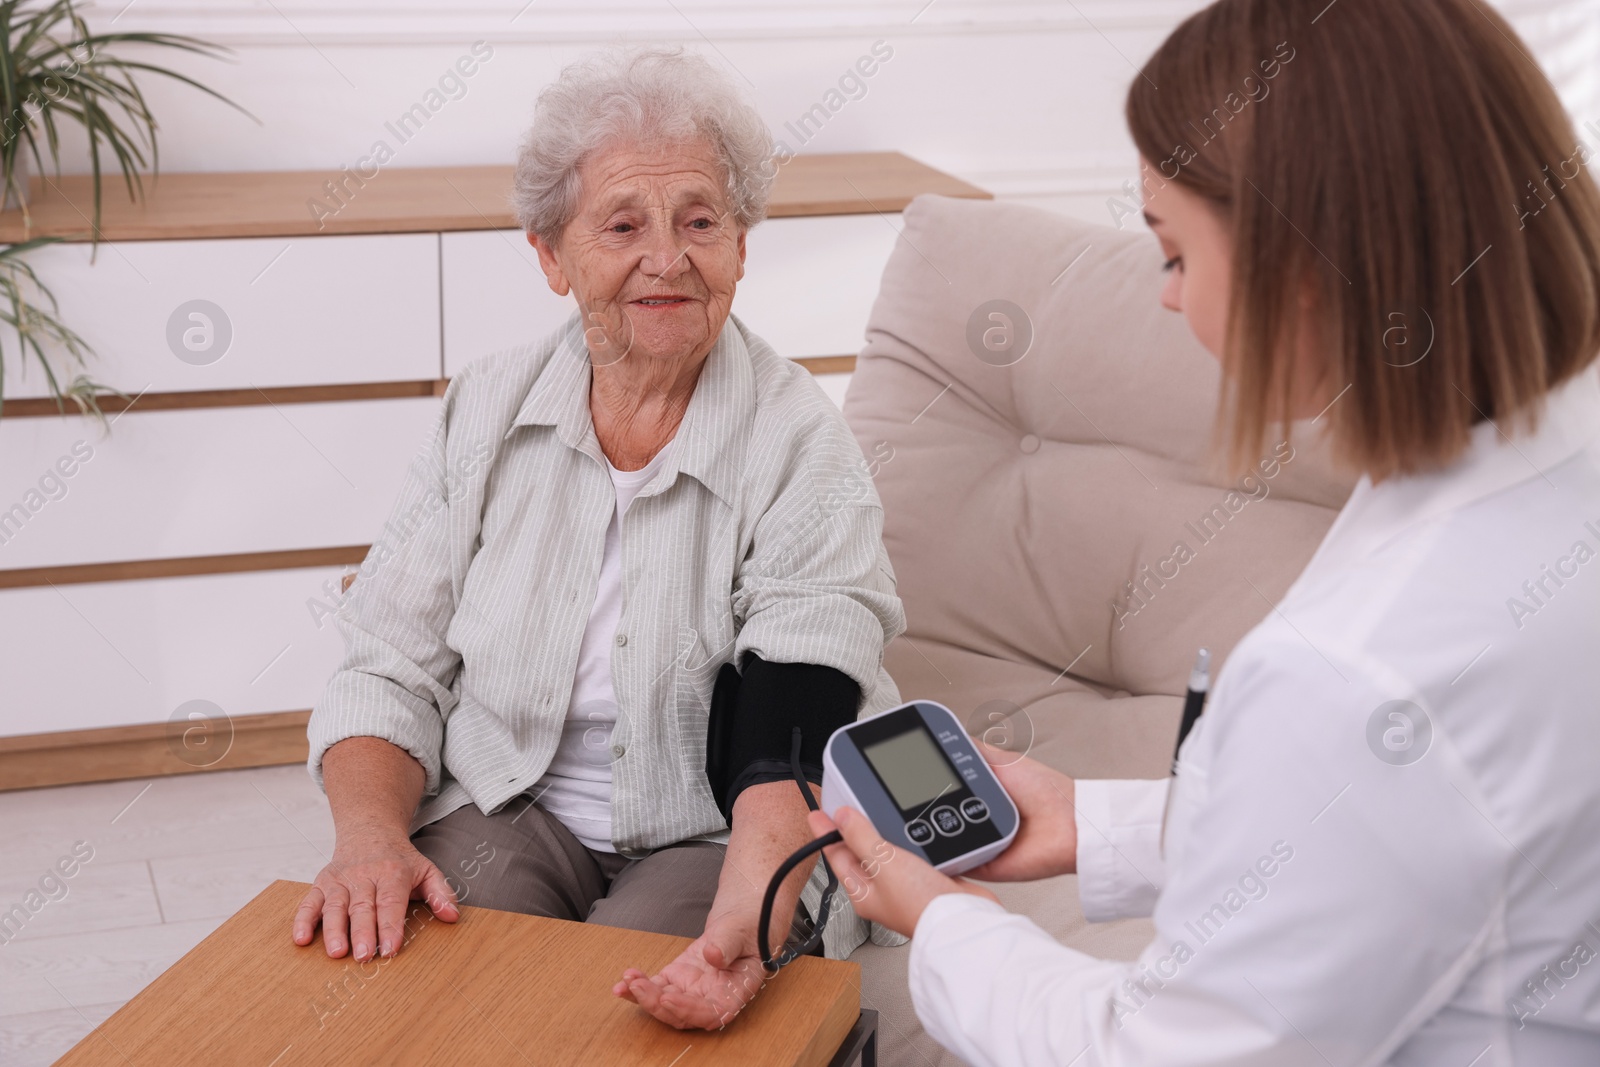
x=622, y=639
x=618, y=750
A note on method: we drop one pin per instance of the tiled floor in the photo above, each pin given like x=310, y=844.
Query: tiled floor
x=172, y=858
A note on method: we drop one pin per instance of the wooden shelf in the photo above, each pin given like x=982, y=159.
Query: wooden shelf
x=416, y=200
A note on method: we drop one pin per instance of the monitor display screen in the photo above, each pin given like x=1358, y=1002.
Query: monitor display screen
x=913, y=767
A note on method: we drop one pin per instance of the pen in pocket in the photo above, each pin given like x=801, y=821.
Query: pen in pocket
x=1194, y=702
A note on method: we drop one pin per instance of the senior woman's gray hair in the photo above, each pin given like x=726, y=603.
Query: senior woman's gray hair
x=649, y=95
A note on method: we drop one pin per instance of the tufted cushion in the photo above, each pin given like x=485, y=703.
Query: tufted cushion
x=1020, y=500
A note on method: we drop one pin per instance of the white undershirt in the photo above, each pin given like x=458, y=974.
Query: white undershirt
x=576, y=788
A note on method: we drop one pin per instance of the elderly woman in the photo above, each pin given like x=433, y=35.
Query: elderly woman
x=598, y=524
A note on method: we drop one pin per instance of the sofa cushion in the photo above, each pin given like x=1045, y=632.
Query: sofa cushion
x=1061, y=541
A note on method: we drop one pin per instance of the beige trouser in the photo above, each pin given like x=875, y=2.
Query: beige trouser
x=523, y=859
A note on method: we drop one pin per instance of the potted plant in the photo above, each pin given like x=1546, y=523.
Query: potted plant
x=54, y=71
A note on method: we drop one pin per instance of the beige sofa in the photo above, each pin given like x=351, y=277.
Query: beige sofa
x=1023, y=495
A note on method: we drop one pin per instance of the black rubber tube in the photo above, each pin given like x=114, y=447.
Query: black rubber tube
x=763, y=943
x=789, y=955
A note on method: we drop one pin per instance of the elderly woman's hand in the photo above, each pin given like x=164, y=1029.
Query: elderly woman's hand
x=720, y=972
x=708, y=984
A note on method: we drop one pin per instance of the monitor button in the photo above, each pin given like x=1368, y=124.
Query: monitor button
x=919, y=831
x=975, y=810
x=947, y=821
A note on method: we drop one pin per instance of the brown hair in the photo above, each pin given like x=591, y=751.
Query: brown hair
x=1409, y=169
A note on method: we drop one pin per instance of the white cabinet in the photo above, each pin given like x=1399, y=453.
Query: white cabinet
x=180, y=482
x=204, y=481
x=177, y=316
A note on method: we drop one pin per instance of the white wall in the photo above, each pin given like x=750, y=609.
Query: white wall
x=1022, y=97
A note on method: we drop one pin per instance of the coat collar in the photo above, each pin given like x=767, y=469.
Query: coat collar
x=1377, y=514
x=710, y=442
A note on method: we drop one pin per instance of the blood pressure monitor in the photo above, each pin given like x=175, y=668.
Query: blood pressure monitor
x=917, y=775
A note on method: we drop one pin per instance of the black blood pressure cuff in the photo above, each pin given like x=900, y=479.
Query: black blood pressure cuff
x=753, y=716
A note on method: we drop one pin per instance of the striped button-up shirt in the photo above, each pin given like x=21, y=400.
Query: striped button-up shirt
x=761, y=532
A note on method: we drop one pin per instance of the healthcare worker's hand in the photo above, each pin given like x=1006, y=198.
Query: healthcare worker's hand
x=886, y=885
x=1047, y=841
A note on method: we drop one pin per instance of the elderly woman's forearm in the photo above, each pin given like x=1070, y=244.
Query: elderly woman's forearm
x=769, y=824
x=373, y=787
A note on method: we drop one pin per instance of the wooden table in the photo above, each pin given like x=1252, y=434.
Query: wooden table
x=494, y=988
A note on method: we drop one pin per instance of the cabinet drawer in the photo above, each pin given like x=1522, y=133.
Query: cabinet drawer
x=276, y=311
x=495, y=295
x=809, y=284
x=200, y=482
x=121, y=653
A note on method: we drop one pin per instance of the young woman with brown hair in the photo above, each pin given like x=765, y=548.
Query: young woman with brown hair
x=1383, y=842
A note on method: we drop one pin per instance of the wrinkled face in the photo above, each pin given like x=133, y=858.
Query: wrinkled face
x=1198, y=246
x=652, y=255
